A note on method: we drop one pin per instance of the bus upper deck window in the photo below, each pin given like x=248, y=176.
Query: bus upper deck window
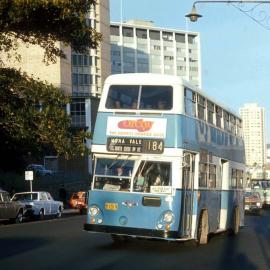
x=156, y=98
x=122, y=97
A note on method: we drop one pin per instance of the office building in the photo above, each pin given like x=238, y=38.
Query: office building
x=139, y=46
x=254, y=131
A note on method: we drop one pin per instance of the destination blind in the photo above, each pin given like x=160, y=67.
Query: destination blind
x=135, y=145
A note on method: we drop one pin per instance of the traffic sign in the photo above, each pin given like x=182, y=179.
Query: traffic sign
x=29, y=175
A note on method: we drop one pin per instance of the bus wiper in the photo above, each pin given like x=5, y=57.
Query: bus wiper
x=114, y=161
x=126, y=161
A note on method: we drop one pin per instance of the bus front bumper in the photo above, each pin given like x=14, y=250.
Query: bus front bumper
x=134, y=232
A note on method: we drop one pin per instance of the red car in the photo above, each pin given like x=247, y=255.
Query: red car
x=78, y=200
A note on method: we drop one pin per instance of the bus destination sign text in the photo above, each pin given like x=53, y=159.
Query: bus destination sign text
x=135, y=145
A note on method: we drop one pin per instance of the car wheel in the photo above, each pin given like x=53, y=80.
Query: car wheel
x=41, y=214
x=19, y=217
x=59, y=213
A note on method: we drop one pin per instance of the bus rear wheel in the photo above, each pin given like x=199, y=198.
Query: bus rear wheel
x=203, y=229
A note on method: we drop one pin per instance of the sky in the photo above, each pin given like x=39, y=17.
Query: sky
x=235, y=50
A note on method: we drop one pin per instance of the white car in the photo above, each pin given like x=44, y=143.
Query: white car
x=39, y=204
x=39, y=170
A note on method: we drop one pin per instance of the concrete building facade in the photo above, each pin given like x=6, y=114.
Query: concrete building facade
x=254, y=131
x=89, y=71
x=139, y=46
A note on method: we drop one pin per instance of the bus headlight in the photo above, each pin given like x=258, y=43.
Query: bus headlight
x=95, y=215
x=168, y=217
x=93, y=210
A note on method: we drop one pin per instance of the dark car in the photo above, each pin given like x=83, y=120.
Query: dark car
x=9, y=210
x=39, y=170
x=253, y=202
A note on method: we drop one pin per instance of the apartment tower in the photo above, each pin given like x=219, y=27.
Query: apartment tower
x=254, y=131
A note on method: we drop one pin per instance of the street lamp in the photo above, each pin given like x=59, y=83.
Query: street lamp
x=194, y=15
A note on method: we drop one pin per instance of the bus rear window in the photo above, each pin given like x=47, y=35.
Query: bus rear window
x=134, y=97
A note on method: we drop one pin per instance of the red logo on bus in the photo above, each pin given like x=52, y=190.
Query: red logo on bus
x=139, y=124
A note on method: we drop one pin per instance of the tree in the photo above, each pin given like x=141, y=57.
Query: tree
x=33, y=113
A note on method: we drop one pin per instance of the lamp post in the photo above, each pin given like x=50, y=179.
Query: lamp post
x=194, y=15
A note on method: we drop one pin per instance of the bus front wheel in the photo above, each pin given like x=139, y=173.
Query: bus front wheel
x=203, y=228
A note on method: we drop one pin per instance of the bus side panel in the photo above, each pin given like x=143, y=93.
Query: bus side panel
x=210, y=200
x=230, y=199
x=131, y=213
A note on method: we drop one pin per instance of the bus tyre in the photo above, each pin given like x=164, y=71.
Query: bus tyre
x=236, y=221
x=203, y=229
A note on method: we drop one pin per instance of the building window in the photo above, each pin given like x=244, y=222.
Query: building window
x=191, y=39
x=141, y=33
x=226, y=120
x=155, y=35
x=180, y=38
x=201, y=107
x=114, y=30
x=81, y=60
x=190, y=103
x=167, y=36
x=210, y=112
x=218, y=116
x=77, y=111
x=127, y=32
x=81, y=79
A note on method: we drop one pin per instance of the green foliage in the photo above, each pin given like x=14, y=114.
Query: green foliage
x=34, y=114
x=43, y=22
x=33, y=118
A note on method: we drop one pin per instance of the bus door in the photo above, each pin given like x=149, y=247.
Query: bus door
x=187, y=195
x=224, y=200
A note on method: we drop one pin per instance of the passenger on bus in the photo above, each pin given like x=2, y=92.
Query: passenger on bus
x=161, y=105
x=134, y=105
x=117, y=104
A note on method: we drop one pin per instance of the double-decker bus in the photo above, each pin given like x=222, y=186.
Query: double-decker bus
x=168, y=162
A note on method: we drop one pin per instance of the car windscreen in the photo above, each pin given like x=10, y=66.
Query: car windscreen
x=25, y=197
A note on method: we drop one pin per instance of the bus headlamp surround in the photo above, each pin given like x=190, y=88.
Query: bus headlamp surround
x=93, y=210
x=165, y=220
x=168, y=217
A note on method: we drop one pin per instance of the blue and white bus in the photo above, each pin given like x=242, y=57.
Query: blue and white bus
x=168, y=162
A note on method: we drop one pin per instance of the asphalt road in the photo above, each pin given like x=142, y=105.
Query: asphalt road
x=62, y=244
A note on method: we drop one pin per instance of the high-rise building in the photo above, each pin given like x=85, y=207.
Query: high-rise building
x=139, y=46
x=254, y=131
x=89, y=71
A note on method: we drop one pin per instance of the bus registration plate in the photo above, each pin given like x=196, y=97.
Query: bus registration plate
x=111, y=206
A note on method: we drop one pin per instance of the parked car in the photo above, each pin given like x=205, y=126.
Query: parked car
x=253, y=202
x=78, y=200
x=11, y=210
x=39, y=204
x=267, y=197
x=39, y=170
